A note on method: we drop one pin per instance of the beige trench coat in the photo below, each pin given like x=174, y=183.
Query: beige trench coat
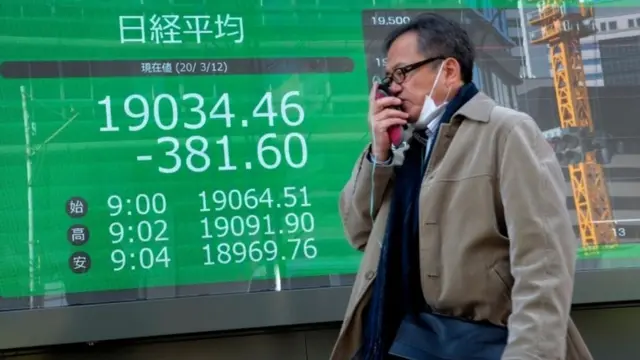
x=491, y=174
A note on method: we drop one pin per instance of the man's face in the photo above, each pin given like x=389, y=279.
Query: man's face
x=419, y=82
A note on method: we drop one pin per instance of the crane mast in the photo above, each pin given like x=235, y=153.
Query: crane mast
x=561, y=26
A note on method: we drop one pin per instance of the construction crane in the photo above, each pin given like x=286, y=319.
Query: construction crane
x=561, y=26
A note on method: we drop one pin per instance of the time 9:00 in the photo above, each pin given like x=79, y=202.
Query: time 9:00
x=143, y=204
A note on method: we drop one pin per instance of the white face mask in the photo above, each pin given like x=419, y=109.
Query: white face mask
x=430, y=110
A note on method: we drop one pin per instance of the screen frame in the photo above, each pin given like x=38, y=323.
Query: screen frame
x=179, y=316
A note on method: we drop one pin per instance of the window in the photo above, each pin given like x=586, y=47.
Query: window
x=486, y=81
x=638, y=22
x=505, y=95
x=603, y=26
x=514, y=97
x=631, y=23
x=477, y=77
x=594, y=76
x=613, y=25
x=496, y=89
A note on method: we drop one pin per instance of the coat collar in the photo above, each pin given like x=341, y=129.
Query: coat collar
x=478, y=108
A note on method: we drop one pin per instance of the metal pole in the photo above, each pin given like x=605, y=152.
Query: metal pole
x=525, y=40
x=30, y=221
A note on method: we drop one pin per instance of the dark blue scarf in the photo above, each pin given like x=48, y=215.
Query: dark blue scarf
x=397, y=290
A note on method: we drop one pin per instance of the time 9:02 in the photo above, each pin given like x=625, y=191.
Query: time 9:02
x=144, y=231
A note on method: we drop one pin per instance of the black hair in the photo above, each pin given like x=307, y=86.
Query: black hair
x=439, y=36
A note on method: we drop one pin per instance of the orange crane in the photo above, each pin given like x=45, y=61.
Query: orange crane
x=561, y=26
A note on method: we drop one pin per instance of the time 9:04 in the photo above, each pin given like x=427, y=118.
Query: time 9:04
x=145, y=258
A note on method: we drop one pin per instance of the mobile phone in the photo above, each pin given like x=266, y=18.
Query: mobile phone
x=395, y=132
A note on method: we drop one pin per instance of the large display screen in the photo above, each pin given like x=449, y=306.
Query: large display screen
x=163, y=149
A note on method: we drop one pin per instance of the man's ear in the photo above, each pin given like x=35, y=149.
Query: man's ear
x=451, y=72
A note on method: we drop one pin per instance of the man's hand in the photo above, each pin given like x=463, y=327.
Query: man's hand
x=381, y=118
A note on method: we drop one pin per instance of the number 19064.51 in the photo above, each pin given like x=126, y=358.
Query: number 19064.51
x=251, y=199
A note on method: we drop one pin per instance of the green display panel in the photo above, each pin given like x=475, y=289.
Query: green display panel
x=178, y=148
x=174, y=145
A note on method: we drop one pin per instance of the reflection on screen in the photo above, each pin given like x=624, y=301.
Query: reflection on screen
x=584, y=101
x=200, y=151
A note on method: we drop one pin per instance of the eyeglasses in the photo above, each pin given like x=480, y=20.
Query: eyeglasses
x=399, y=75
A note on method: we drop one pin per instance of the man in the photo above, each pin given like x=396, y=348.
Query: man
x=469, y=222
